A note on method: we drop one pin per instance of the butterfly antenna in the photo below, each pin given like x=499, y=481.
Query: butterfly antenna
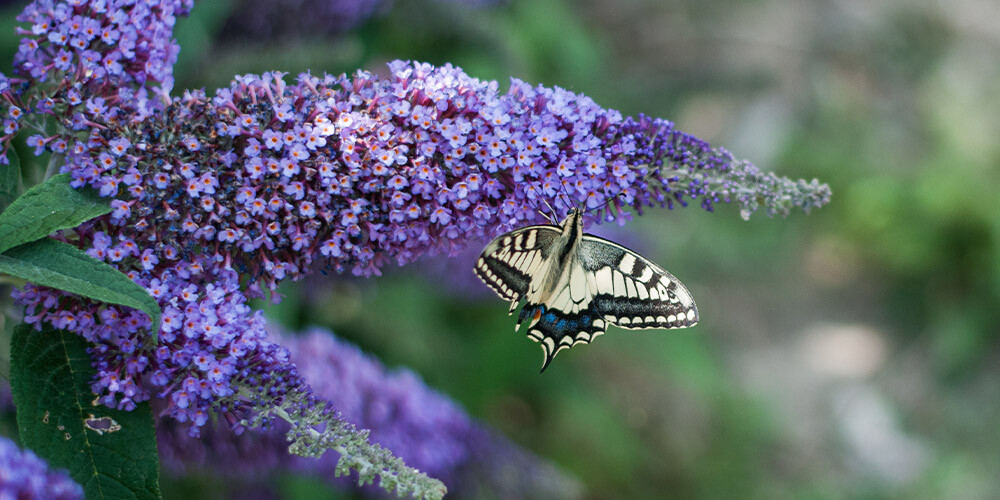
x=552, y=220
x=565, y=196
x=608, y=202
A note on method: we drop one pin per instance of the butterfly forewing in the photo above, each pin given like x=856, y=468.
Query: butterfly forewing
x=633, y=292
x=509, y=262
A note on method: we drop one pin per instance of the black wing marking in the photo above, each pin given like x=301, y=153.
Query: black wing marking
x=509, y=261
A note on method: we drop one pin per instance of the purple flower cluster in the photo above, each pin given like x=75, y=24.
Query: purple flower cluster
x=116, y=43
x=80, y=59
x=421, y=426
x=12, y=115
x=208, y=337
x=24, y=476
x=265, y=177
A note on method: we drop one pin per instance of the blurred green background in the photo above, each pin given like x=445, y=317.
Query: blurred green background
x=850, y=353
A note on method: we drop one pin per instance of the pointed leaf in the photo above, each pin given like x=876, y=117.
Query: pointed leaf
x=111, y=453
x=46, y=208
x=55, y=264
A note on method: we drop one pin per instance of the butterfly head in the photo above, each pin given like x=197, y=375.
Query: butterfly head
x=573, y=223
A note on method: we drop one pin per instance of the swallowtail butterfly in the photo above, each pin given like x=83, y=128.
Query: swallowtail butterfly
x=577, y=284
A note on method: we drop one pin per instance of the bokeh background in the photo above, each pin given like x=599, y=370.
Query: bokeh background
x=850, y=353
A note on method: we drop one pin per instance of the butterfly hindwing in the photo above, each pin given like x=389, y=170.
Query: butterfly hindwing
x=509, y=262
x=556, y=330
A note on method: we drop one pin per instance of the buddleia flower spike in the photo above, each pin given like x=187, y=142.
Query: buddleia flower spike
x=576, y=284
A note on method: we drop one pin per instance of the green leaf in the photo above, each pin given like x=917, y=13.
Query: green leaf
x=111, y=453
x=10, y=178
x=46, y=208
x=55, y=264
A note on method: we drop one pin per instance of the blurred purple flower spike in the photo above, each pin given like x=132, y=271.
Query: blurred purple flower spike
x=421, y=426
x=24, y=476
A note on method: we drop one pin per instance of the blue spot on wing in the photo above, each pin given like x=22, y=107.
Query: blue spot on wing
x=528, y=312
x=558, y=325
